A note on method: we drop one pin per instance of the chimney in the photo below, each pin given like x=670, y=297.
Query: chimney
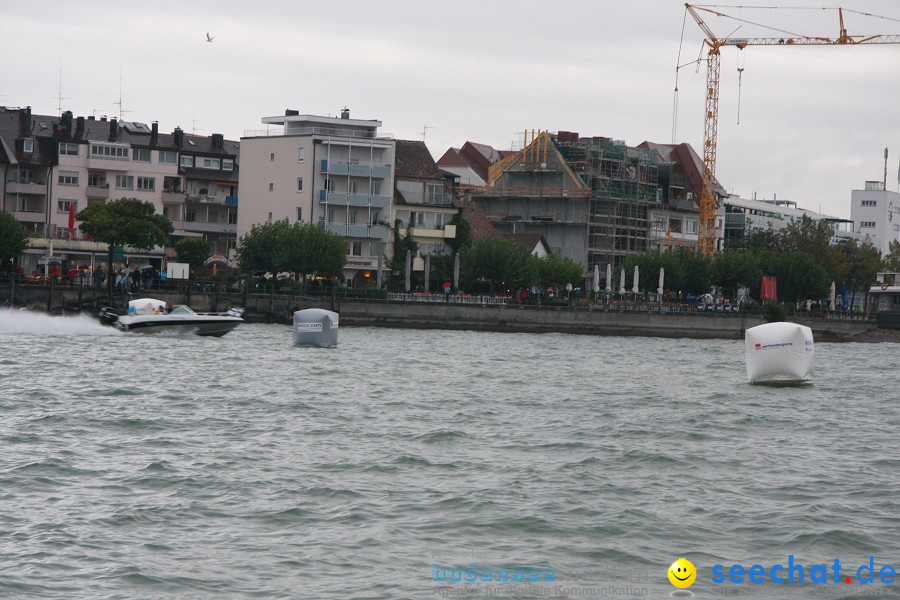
x=66, y=124
x=92, y=118
x=25, y=123
x=113, y=129
x=345, y=114
x=154, y=134
x=79, y=127
x=103, y=118
x=288, y=112
x=218, y=141
x=179, y=137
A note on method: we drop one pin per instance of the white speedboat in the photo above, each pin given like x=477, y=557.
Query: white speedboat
x=148, y=315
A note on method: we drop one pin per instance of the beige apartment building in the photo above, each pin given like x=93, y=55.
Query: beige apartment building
x=336, y=172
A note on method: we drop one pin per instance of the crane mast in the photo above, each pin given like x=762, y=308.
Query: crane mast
x=708, y=205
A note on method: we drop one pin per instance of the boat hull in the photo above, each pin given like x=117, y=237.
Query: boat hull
x=164, y=324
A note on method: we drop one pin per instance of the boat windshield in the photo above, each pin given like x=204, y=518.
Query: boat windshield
x=182, y=310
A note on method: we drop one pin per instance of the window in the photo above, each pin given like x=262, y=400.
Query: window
x=187, y=161
x=352, y=216
x=354, y=248
x=212, y=216
x=68, y=149
x=270, y=218
x=299, y=213
x=125, y=182
x=109, y=151
x=271, y=187
x=416, y=219
x=27, y=145
x=228, y=164
x=331, y=215
x=870, y=203
x=190, y=216
x=68, y=178
x=299, y=184
x=690, y=226
x=675, y=225
x=64, y=205
x=167, y=157
x=147, y=184
x=272, y=157
x=375, y=187
x=207, y=163
x=97, y=179
x=434, y=193
x=867, y=224
x=140, y=154
x=351, y=186
x=301, y=153
x=232, y=218
x=329, y=185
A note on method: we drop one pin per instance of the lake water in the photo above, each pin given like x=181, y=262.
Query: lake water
x=242, y=467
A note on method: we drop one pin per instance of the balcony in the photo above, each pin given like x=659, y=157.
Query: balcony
x=14, y=187
x=380, y=232
x=208, y=227
x=357, y=170
x=355, y=200
x=338, y=228
x=445, y=232
x=98, y=191
x=28, y=216
x=205, y=199
x=231, y=200
x=381, y=171
x=170, y=197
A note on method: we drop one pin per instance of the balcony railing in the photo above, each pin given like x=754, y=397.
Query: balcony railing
x=98, y=191
x=380, y=232
x=14, y=187
x=355, y=200
x=332, y=167
x=323, y=131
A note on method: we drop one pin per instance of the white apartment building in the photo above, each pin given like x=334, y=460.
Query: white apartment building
x=876, y=213
x=336, y=172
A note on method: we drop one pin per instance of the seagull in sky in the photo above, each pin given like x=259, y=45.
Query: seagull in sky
x=209, y=39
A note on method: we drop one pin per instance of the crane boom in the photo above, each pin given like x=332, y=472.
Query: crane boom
x=708, y=205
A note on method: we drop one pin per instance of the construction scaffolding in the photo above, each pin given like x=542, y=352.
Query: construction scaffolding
x=625, y=186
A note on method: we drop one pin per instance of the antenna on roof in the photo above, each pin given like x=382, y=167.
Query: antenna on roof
x=121, y=110
x=194, y=129
x=425, y=129
x=59, y=97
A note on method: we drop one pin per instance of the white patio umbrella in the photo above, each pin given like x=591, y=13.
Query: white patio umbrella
x=831, y=296
x=608, y=278
x=634, y=287
x=408, y=270
x=596, y=285
x=622, y=281
x=456, y=271
x=662, y=278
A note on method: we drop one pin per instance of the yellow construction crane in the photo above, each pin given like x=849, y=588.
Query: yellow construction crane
x=707, y=230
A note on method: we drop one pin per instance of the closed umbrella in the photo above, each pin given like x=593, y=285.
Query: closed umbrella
x=622, y=281
x=596, y=279
x=408, y=269
x=427, y=272
x=831, y=296
x=608, y=278
x=662, y=278
x=378, y=276
x=72, y=220
x=634, y=287
x=456, y=272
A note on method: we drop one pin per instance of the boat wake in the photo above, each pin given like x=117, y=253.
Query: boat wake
x=25, y=322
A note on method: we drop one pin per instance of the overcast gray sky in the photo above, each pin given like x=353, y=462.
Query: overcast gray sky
x=814, y=121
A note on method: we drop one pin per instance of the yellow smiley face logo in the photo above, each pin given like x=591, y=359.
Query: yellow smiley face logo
x=682, y=573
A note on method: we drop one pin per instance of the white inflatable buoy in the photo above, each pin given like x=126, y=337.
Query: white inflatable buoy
x=315, y=327
x=779, y=353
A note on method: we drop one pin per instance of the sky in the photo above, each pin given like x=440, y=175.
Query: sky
x=814, y=121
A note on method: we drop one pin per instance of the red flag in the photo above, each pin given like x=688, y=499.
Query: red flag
x=72, y=220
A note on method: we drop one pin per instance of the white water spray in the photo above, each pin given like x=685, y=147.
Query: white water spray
x=21, y=321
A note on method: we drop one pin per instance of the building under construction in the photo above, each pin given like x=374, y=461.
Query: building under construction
x=590, y=197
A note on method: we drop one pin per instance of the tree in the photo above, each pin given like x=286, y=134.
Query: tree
x=862, y=260
x=193, y=251
x=13, y=240
x=799, y=276
x=300, y=247
x=498, y=262
x=402, y=244
x=557, y=270
x=126, y=221
x=734, y=269
x=258, y=249
x=891, y=260
x=464, y=237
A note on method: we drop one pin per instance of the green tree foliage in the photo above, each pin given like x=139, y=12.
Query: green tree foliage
x=498, y=263
x=299, y=247
x=193, y=251
x=557, y=270
x=397, y=264
x=799, y=276
x=862, y=262
x=13, y=240
x=126, y=221
x=733, y=269
x=891, y=261
x=464, y=237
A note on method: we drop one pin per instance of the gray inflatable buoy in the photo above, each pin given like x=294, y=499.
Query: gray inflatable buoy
x=315, y=327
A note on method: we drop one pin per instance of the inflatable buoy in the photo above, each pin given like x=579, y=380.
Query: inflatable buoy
x=779, y=353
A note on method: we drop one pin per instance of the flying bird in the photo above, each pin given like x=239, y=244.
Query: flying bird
x=209, y=39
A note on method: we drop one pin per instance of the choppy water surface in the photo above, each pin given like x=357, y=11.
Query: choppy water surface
x=143, y=467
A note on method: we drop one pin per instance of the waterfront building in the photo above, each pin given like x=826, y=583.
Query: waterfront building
x=423, y=199
x=469, y=164
x=875, y=212
x=53, y=165
x=738, y=216
x=336, y=172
